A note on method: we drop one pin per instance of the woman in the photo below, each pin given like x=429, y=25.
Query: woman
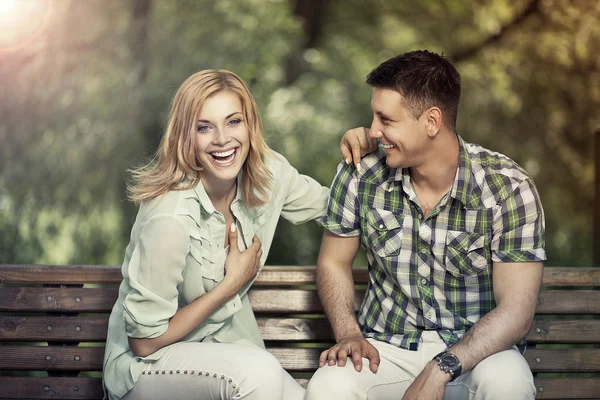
x=182, y=326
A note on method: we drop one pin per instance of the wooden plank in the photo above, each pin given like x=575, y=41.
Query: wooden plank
x=550, y=360
x=565, y=331
x=564, y=360
x=60, y=274
x=567, y=388
x=29, y=299
x=271, y=275
x=49, y=329
x=571, y=276
x=91, y=388
x=20, y=387
x=295, y=329
x=569, y=302
x=51, y=358
x=82, y=329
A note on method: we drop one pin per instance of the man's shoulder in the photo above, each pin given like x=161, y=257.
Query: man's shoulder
x=374, y=168
x=495, y=171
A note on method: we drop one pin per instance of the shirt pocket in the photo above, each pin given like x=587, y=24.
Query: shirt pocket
x=466, y=253
x=384, y=232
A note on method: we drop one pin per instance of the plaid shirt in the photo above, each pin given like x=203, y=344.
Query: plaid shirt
x=435, y=273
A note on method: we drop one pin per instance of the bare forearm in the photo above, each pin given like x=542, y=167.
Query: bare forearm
x=185, y=320
x=497, y=331
x=336, y=291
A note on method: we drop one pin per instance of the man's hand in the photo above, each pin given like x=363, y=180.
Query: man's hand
x=355, y=144
x=356, y=347
x=429, y=385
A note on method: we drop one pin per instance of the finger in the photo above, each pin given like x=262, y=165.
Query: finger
x=323, y=358
x=357, y=360
x=256, y=244
x=346, y=151
x=357, y=151
x=373, y=356
x=233, y=238
x=342, y=356
x=333, y=355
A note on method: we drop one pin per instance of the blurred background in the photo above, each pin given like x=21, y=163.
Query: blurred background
x=85, y=87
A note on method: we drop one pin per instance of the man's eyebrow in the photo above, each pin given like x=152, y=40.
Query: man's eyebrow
x=382, y=115
x=227, y=117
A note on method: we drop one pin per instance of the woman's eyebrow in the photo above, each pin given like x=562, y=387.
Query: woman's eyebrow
x=227, y=117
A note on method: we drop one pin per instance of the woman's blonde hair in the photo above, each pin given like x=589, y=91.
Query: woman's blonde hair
x=175, y=160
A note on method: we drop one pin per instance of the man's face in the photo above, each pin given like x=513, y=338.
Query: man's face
x=403, y=137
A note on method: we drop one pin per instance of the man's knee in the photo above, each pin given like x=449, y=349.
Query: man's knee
x=504, y=375
x=333, y=382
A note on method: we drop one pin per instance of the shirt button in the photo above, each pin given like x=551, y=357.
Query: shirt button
x=380, y=226
x=423, y=281
x=423, y=250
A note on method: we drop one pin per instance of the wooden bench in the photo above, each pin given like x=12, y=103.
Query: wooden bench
x=53, y=322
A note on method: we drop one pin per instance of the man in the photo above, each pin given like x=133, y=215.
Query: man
x=454, y=236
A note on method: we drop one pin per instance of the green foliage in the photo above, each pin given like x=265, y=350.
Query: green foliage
x=88, y=98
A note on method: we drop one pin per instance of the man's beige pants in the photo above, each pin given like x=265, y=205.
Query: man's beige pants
x=502, y=376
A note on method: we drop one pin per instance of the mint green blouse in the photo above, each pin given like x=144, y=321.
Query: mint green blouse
x=176, y=255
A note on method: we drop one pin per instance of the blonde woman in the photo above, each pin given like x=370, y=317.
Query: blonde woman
x=182, y=327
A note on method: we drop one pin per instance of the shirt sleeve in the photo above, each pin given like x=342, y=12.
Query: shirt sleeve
x=154, y=272
x=342, y=217
x=518, y=228
x=305, y=198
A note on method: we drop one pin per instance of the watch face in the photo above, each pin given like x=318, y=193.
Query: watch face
x=450, y=360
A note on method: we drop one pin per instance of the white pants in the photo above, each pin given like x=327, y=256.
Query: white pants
x=215, y=371
x=502, y=376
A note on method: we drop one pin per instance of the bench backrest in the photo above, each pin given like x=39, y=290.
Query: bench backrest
x=53, y=322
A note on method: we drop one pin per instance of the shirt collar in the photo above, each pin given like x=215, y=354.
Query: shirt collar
x=463, y=181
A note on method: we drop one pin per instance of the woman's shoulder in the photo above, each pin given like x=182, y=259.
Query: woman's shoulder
x=166, y=204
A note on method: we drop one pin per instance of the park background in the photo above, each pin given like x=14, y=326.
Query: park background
x=85, y=88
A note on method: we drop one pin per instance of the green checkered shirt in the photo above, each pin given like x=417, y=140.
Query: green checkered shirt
x=435, y=273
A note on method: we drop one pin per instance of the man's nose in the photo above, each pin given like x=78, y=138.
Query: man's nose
x=375, y=131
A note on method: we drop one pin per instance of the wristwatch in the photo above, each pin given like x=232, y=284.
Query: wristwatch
x=449, y=363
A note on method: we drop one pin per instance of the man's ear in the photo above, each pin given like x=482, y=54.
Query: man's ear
x=433, y=121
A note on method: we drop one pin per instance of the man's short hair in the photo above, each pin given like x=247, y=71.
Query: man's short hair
x=424, y=79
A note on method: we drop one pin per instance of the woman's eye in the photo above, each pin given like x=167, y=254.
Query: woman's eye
x=203, y=128
x=235, y=121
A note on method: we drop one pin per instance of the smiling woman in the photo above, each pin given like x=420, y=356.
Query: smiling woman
x=209, y=206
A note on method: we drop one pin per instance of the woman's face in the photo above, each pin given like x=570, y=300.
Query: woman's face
x=222, y=138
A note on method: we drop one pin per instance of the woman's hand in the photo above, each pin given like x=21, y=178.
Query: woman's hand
x=241, y=266
x=356, y=144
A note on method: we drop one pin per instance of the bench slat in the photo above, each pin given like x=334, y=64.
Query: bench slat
x=565, y=331
x=569, y=302
x=20, y=387
x=93, y=329
x=567, y=388
x=61, y=329
x=291, y=358
x=563, y=360
x=31, y=299
x=271, y=275
x=51, y=358
x=91, y=388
